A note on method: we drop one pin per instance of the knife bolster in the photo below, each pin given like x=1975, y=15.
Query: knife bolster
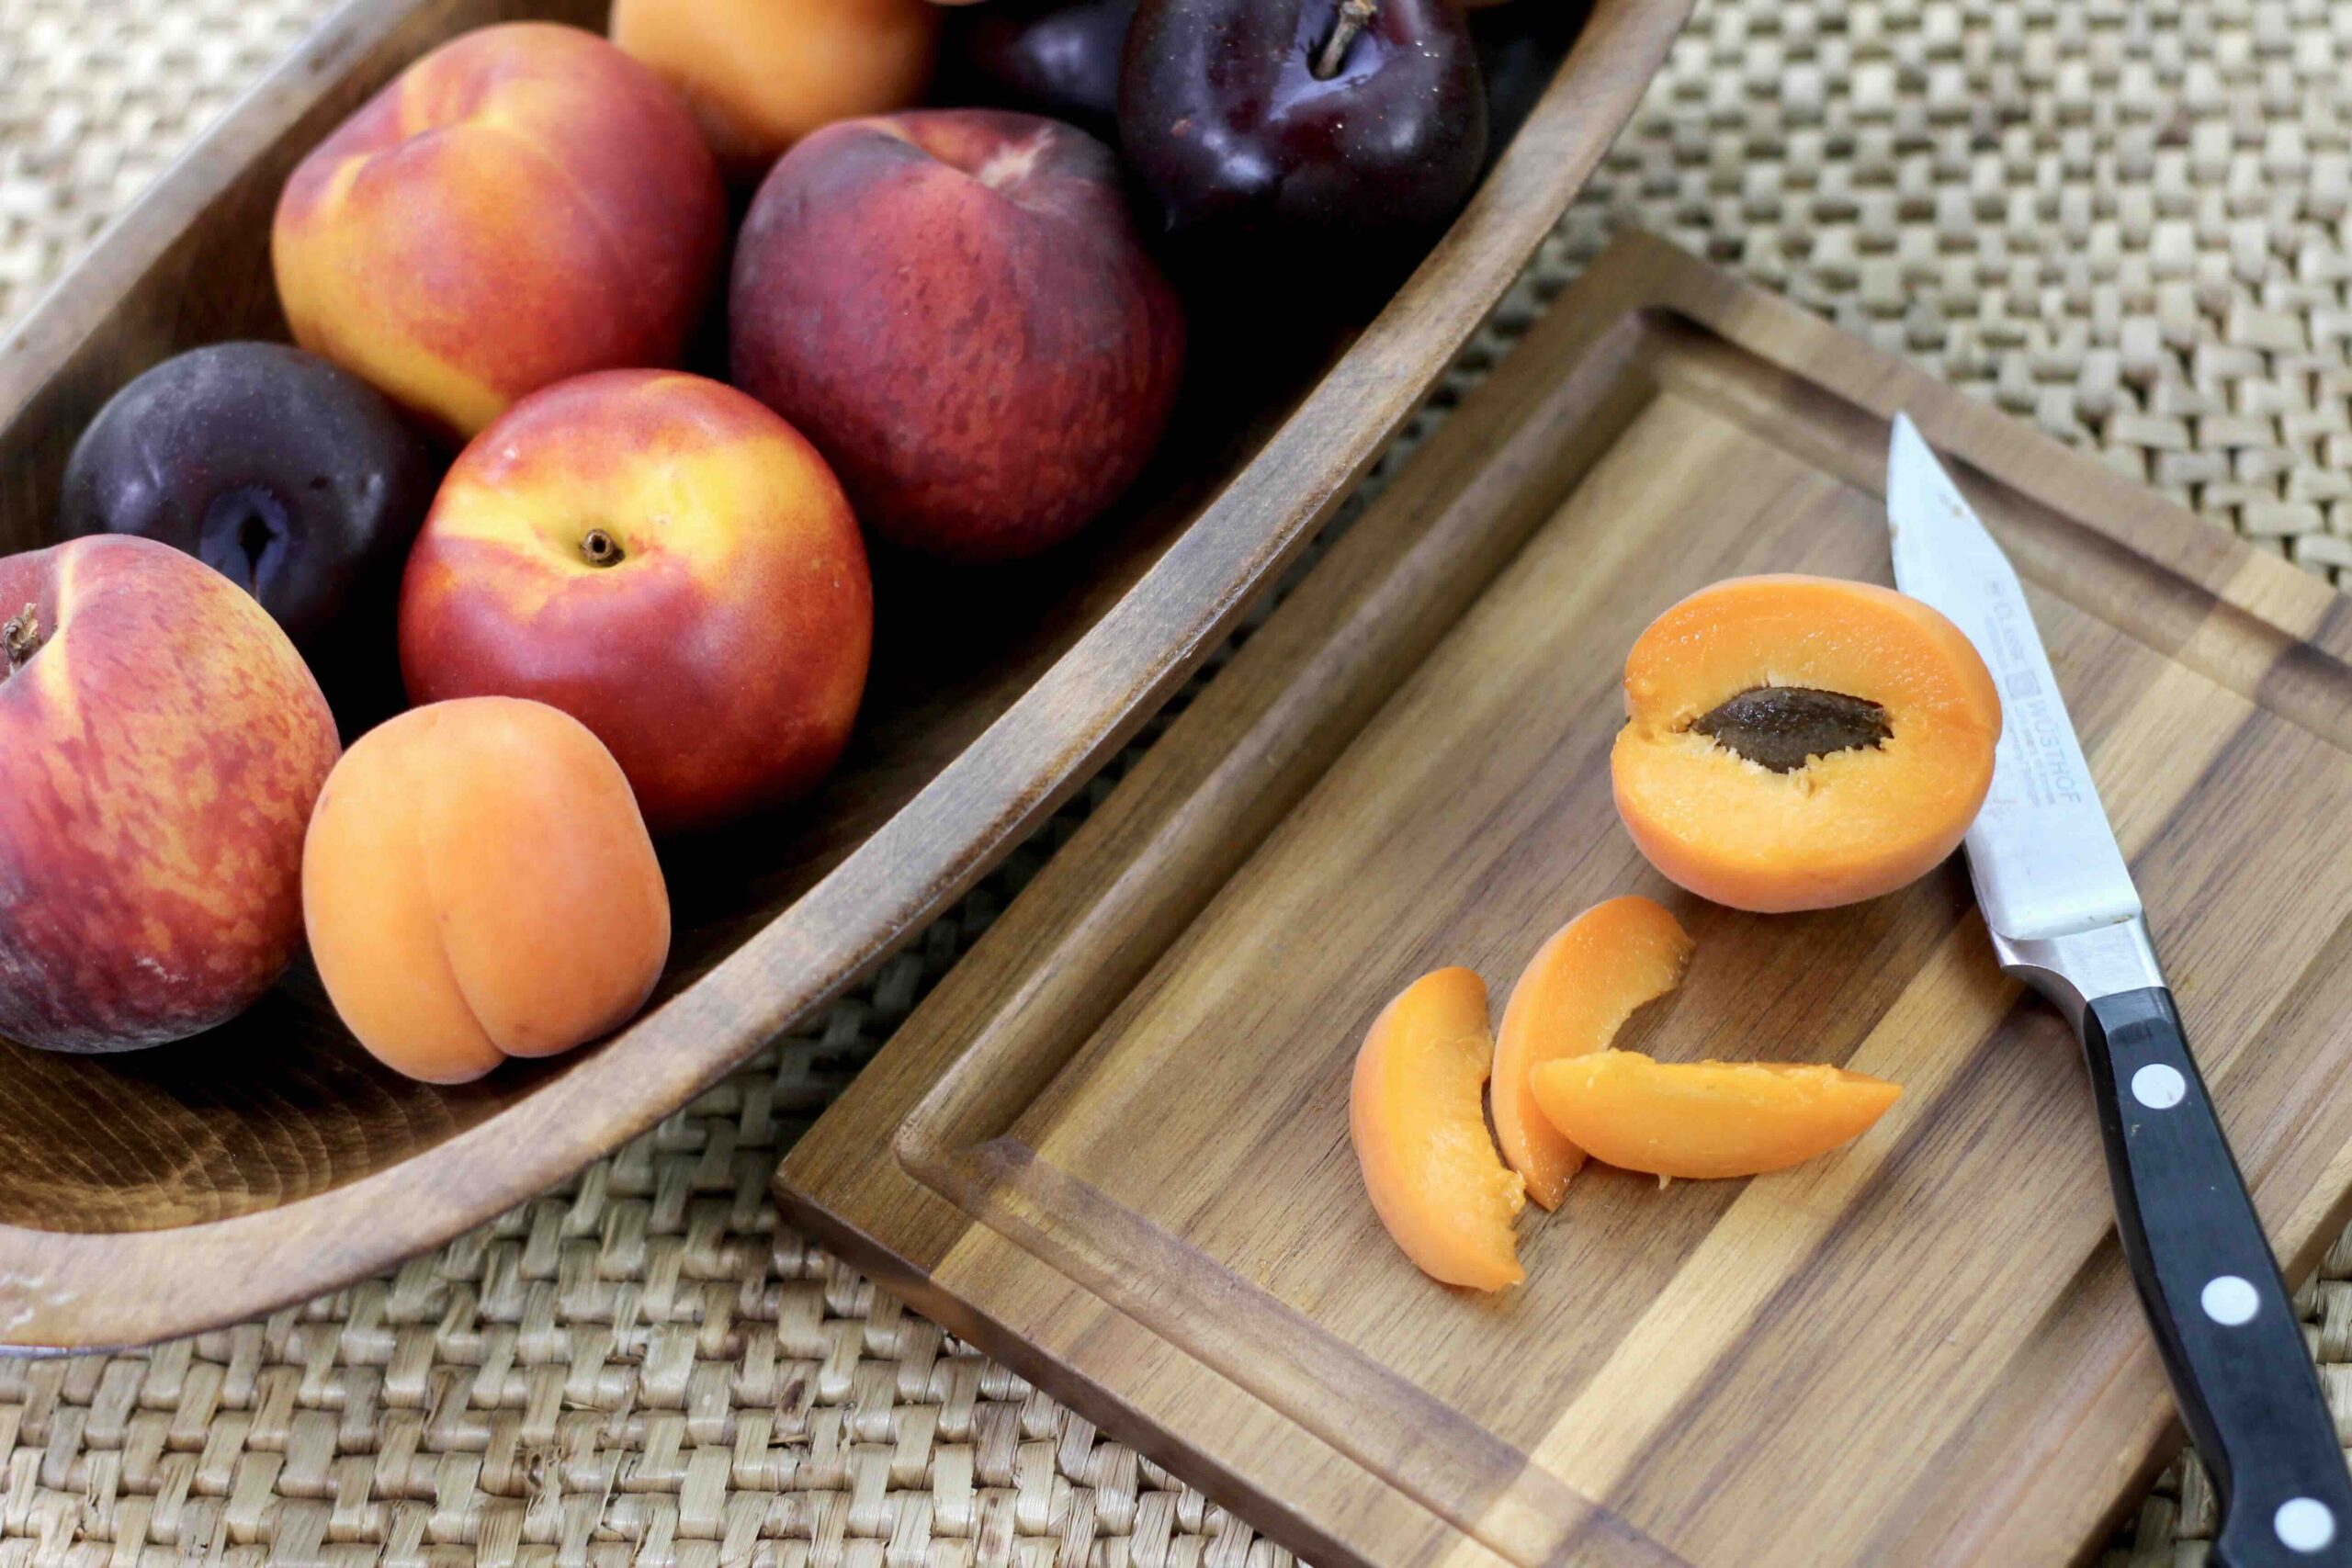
x=2081, y=967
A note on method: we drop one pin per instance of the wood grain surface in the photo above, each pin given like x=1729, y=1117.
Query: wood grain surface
x=148, y=1196
x=1112, y=1147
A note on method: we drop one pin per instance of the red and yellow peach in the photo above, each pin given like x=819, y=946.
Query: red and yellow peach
x=165, y=744
x=953, y=305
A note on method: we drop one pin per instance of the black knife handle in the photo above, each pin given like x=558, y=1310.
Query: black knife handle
x=2214, y=1296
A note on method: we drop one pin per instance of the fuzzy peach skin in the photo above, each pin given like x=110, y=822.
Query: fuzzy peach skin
x=162, y=743
x=760, y=74
x=953, y=305
x=479, y=885
x=716, y=639
x=523, y=203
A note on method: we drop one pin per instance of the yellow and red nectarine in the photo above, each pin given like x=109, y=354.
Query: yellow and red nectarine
x=668, y=562
x=164, y=743
x=523, y=203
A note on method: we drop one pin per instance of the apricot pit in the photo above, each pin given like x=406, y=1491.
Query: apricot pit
x=1798, y=742
x=1782, y=728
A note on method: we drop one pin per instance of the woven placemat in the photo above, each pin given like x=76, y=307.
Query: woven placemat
x=2129, y=220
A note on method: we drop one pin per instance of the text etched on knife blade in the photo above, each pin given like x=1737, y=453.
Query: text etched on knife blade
x=2033, y=720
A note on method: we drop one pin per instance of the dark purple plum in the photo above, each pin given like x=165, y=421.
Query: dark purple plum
x=292, y=478
x=1051, y=57
x=1304, y=117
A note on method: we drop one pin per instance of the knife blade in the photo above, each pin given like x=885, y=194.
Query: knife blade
x=2042, y=855
x=2058, y=899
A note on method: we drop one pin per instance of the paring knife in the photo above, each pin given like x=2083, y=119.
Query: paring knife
x=2066, y=920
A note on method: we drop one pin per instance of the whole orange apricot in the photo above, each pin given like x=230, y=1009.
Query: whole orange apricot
x=760, y=74
x=1797, y=742
x=477, y=885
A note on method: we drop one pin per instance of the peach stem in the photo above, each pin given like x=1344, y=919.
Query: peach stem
x=21, y=636
x=601, y=548
x=1354, y=16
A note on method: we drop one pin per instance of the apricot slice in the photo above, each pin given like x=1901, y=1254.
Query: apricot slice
x=1573, y=996
x=1415, y=1116
x=1798, y=742
x=1705, y=1119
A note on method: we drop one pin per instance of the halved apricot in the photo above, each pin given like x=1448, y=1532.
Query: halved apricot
x=1706, y=1119
x=1798, y=742
x=1415, y=1116
x=1573, y=996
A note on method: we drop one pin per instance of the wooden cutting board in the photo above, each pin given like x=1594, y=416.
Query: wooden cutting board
x=1113, y=1147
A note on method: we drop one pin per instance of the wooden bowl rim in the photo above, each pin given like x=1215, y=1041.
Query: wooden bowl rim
x=78, y=1291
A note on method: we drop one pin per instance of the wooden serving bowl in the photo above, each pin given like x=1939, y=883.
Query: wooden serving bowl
x=158, y=1193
